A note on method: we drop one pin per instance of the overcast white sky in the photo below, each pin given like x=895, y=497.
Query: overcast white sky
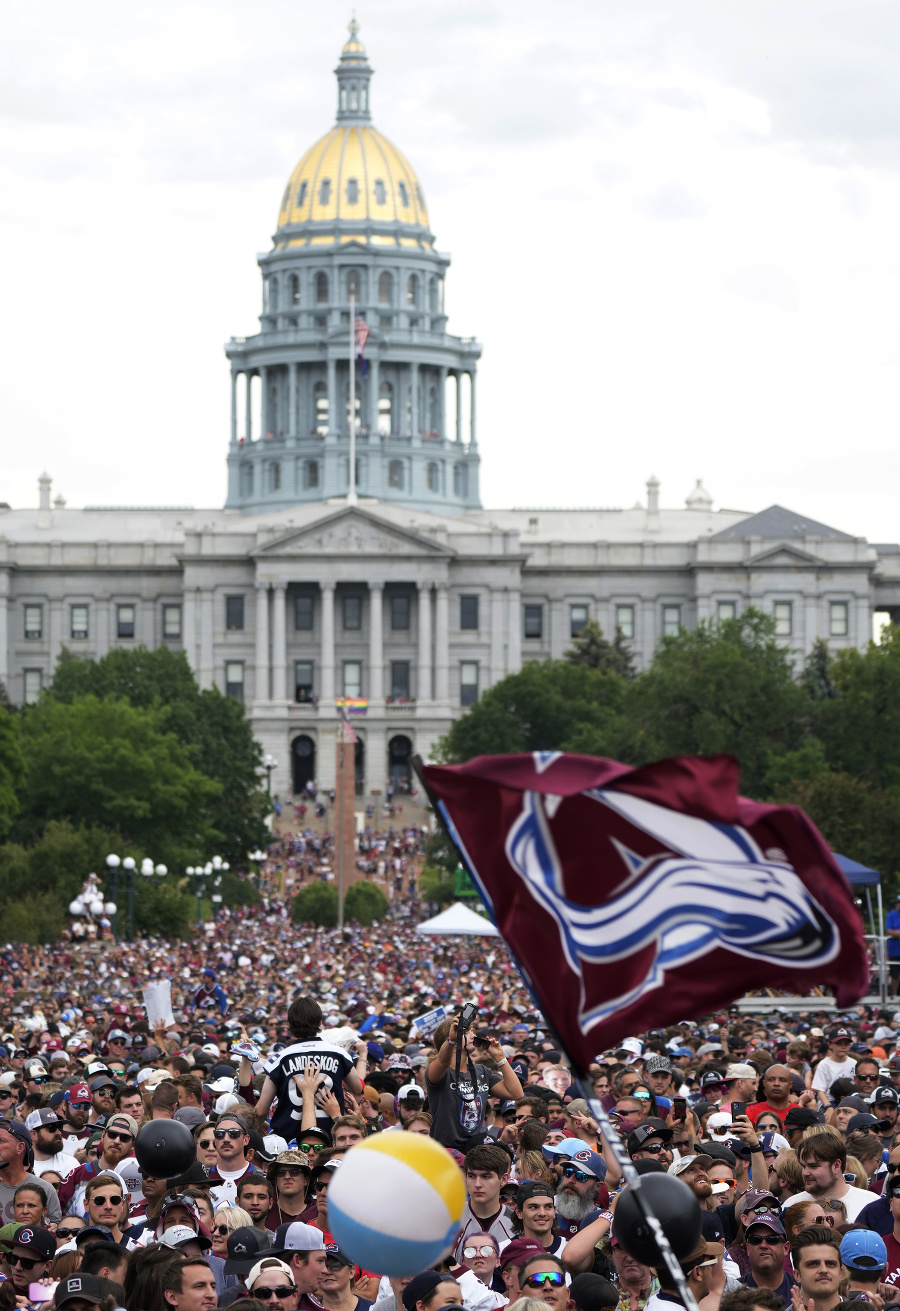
x=674, y=226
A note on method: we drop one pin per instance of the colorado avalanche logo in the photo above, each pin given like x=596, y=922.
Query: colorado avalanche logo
x=710, y=888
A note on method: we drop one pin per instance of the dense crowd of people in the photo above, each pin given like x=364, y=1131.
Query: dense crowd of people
x=287, y=1048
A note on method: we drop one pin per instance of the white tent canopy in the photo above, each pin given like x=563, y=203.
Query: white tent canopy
x=458, y=919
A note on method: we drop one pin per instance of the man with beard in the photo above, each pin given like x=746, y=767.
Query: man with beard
x=823, y=1159
x=76, y=1107
x=116, y=1142
x=576, y=1196
x=692, y=1170
x=47, y=1141
x=650, y=1141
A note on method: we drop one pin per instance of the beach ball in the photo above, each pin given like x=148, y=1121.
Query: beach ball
x=395, y=1205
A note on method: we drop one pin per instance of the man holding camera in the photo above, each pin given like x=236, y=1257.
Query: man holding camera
x=458, y=1087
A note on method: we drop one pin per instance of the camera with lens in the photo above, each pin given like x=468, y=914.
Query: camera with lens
x=466, y=1017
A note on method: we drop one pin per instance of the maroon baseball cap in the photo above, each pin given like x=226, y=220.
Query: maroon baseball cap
x=78, y=1092
x=519, y=1250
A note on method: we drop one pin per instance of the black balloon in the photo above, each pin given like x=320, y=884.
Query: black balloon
x=165, y=1148
x=677, y=1210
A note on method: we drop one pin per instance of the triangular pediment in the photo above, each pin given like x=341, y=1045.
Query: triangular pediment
x=783, y=556
x=352, y=532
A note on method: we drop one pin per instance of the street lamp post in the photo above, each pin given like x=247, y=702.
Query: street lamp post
x=129, y=865
x=269, y=763
x=199, y=874
x=258, y=857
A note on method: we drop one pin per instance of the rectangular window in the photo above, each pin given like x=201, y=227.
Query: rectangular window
x=352, y=678
x=234, y=614
x=400, y=680
x=172, y=622
x=234, y=679
x=578, y=617
x=625, y=621
x=839, y=619
x=468, y=682
x=34, y=621
x=33, y=680
x=671, y=620
x=352, y=613
x=311, y=473
x=534, y=621
x=78, y=628
x=303, y=614
x=303, y=680
x=726, y=610
x=124, y=621
x=784, y=625
x=468, y=612
x=400, y=613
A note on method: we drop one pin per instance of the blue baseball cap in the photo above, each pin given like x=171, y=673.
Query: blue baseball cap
x=376, y=1051
x=863, y=1249
x=568, y=1147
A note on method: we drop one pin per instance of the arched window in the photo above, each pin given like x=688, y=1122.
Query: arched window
x=321, y=288
x=354, y=283
x=273, y=295
x=354, y=98
x=325, y=191
x=404, y=194
x=301, y=194
x=380, y=192
x=399, y=751
x=385, y=409
x=412, y=290
x=385, y=288
x=295, y=289
x=433, y=296
x=343, y=97
x=433, y=417
x=433, y=476
x=460, y=481
x=363, y=98
x=246, y=478
x=352, y=191
x=395, y=474
x=320, y=398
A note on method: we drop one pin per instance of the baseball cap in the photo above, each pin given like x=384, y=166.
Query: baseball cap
x=336, y=1254
x=245, y=1247
x=712, y=1078
x=410, y=1090
x=116, y=1033
x=885, y=1095
x=267, y=1262
x=658, y=1064
x=801, y=1117
x=42, y=1118
x=773, y=1144
x=18, y=1130
x=104, y=1081
x=178, y=1235
x=37, y=1240
x=532, y=1188
x=590, y=1162
x=122, y=1121
x=838, y=1034
x=740, y=1070
x=647, y=1129
x=592, y=1292
x=864, y=1121
x=519, y=1250
x=863, y=1249
x=81, y=1288
x=295, y=1236
x=702, y=1161
x=770, y=1222
x=420, y=1286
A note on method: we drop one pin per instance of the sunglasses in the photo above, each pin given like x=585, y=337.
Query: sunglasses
x=26, y=1262
x=892, y=1169
x=333, y=1264
x=282, y=1292
x=471, y=1252
x=80, y=1106
x=219, y=1134
x=653, y=1148
x=221, y=1230
x=825, y=1220
x=205, y=1143
x=771, y=1240
x=114, y=1199
x=115, y=1137
x=290, y=1169
x=6, y=1095
x=869, y=1078
x=730, y=1182
x=544, y=1277
x=570, y=1172
x=67, y=1233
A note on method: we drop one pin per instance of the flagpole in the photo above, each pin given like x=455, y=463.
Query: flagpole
x=605, y=1126
x=351, y=485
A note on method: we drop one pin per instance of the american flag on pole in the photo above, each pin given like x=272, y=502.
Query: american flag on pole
x=630, y=897
x=362, y=336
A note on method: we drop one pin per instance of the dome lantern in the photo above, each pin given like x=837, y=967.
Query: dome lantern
x=353, y=75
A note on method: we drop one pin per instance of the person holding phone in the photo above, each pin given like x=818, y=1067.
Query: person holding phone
x=458, y=1101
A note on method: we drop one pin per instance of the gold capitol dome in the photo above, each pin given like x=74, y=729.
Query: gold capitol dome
x=353, y=184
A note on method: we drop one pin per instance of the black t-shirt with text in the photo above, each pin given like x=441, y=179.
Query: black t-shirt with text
x=333, y=1061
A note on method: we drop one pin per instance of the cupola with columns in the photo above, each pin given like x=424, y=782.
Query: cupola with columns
x=353, y=227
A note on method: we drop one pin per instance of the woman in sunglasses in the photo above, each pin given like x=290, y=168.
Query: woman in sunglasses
x=206, y=1144
x=831, y=1214
x=479, y=1274
x=272, y=1282
x=227, y=1218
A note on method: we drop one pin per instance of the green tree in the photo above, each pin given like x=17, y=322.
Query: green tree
x=591, y=648
x=552, y=706
x=720, y=687
x=109, y=763
x=213, y=728
x=12, y=766
x=817, y=678
x=317, y=904
x=860, y=726
x=365, y=903
x=856, y=819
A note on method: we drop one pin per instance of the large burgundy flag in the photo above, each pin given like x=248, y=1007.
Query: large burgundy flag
x=631, y=898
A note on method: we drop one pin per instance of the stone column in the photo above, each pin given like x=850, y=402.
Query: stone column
x=4, y=628
x=262, y=642
x=414, y=405
x=496, y=636
x=263, y=401
x=327, y=661
x=248, y=406
x=376, y=642
x=442, y=401
x=279, y=643
x=373, y=385
x=332, y=399
x=101, y=609
x=56, y=633
x=291, y=426
x=458, y=376
x=423, y=689
x=442, y=645
x=234, y=379
x=515, y=631
x=207, y=669
x=473, y=440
